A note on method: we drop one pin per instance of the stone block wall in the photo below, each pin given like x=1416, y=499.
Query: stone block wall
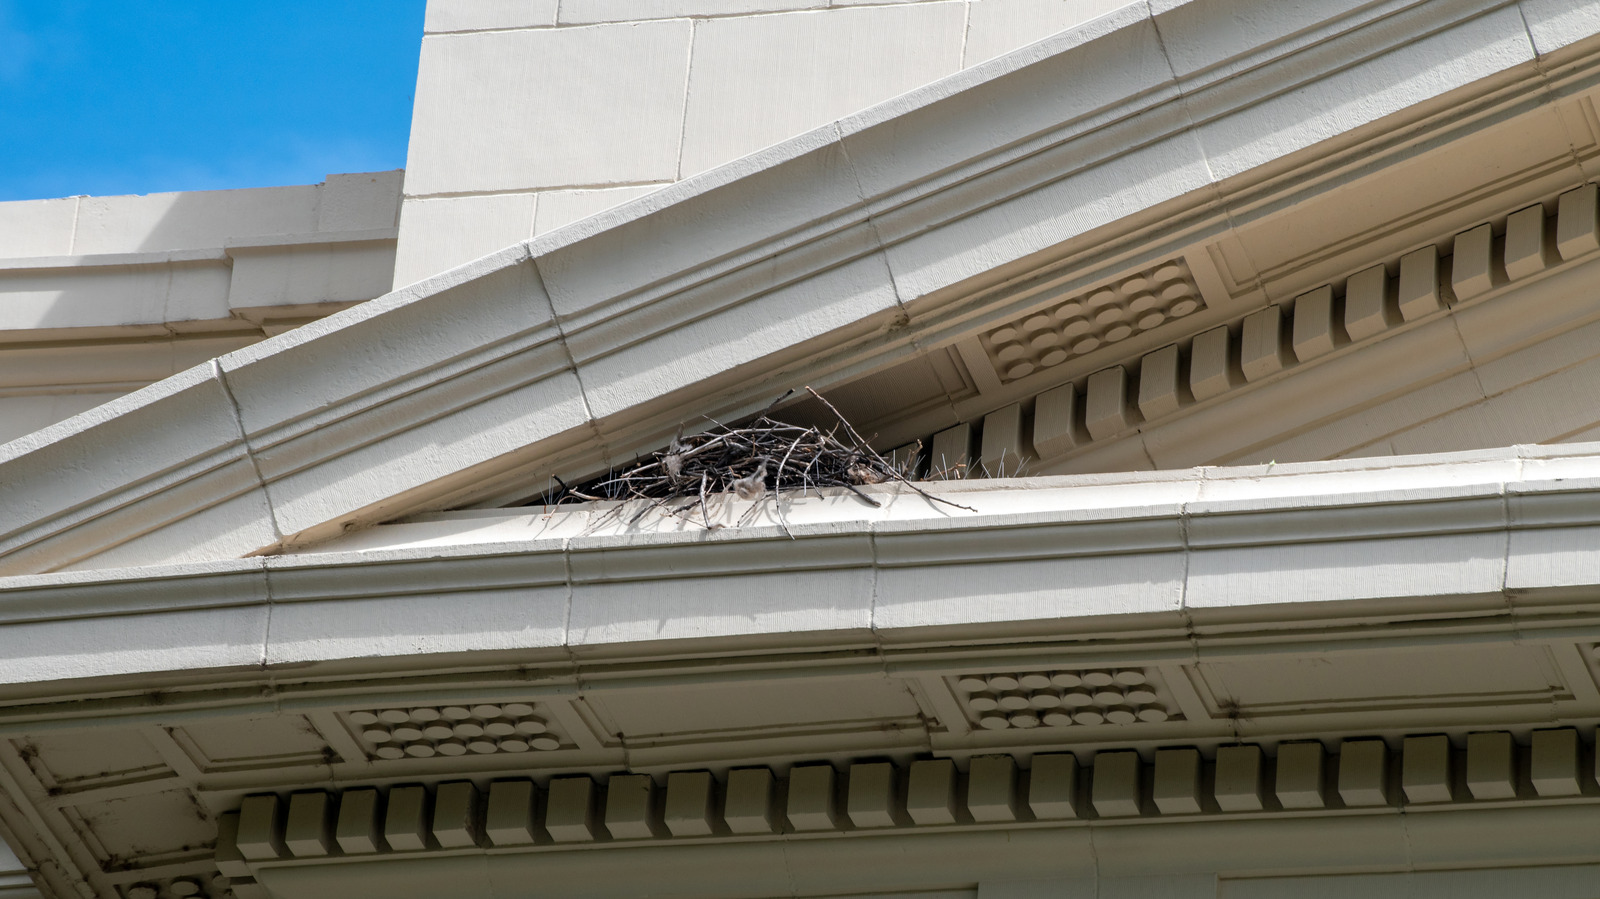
x=532, y=114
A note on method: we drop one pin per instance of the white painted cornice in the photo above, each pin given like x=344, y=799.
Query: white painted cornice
x=838, y=252
x=1195, y=556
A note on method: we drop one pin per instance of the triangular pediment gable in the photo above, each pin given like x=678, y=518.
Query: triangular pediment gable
x=908, y=236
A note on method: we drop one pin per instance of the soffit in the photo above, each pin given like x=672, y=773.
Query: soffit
x=1336, y=602
x=857, y=246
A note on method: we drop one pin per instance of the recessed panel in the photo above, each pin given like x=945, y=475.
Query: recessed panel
x=1317, y=681
x=686, y=709
x=235, y=741
x=91, y=758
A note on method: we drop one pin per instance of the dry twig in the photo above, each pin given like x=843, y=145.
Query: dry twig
x=752, y=460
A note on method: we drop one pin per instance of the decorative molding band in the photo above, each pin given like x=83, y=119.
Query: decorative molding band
x=1062, y=698
x=1176, y=783
x=1265, y=344
x=453, y=730
x=1087, y=320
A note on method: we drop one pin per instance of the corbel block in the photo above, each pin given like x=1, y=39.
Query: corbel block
x=261, y=827
x=1473, y=268
x=569, y=814
x=1419, y=284
x=1105, y=409
x=1363, y=773
x=690, y=803
x=1054, y=412
x=1116, y=784
x=1261, y=349
x=1000, y=451
x=308, y=831
x=992, y=788
x=230, y=861
x=508, y=820
x=950, y=453
x=931, y=792
x=1425, y=769
x=1158, y=383
x=870, y=796
x=1212, y=371
x=1314, y=331
x=1238, y=780
x=1053, y=786
x=359, y=830
x=455, y=814
x=811, y=798
x=1176, y=787
x=1491, y=766
x=1299, y=783
x=750, y=806
x=1366, y=305
x=405, y=827
x=1526, y=250
x=1578, y=222
x=631, y=807
x=1553, y=762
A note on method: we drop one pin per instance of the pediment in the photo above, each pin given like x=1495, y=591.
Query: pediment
x=902, y=273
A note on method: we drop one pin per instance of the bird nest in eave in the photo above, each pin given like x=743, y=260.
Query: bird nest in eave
x=751, y=461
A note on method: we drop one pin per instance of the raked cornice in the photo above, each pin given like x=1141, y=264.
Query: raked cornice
x=857, y=245
x=1488, y=545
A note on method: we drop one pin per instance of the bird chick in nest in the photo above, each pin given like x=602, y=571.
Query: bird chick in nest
x=673, y=460
x=754, y=485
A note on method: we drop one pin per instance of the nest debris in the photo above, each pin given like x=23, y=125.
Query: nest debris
x=763, y=457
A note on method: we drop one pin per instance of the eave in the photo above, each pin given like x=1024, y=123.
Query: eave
x=838, y=253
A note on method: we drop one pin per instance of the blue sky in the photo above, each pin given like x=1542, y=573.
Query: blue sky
x=113, y=97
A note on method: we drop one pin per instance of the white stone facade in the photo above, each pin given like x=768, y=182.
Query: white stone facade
x=1246, y=345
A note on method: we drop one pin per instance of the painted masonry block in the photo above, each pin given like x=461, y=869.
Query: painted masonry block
x=1419, y=284
x=1115, y=787
x=359, y=830
x=1054, y=412
x=811, y=799
x=405, y=827
x=1176, y=788
x=1053, y=786
x=690, y=803
x=569, y=814
x=1491, y=766
x=1526, y=251
x=630, y=806
x=1366, y=308
x=992, y=788
x=1425, y=768
x=1158, y=383
x=948, y=454
x=1299, y=783
x=307, y=832
x=1578, y=222
x=1553, y=762
x=750, y=804
x=1105, y=408
x=931, y=792
x=1313, y=334
x=1261, y=349
x=1473, y=268
x=508, y=820
x=1363, y=773
x=871, y=795
x=230, y=861
x=455, y=814
x=1238, y=779
x=1211, y=369
x=260, y=827
x=1001, y=450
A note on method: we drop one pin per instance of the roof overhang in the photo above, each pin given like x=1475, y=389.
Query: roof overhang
x=847, y=250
